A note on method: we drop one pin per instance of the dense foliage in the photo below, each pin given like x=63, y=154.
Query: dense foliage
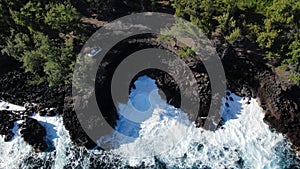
x=43, y=36
x=46, y=36
x=272, y=24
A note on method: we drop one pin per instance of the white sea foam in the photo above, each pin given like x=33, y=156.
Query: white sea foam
x=169, y=136
x=14, y=152
x=165, y=137
x=10, y=107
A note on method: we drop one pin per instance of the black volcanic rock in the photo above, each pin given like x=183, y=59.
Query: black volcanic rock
x=249, y=75
x=9, y=136
x=42, y=112
x=246, y=72
x=72, y=124
x=51, y=112
x=164, y=81
x=15, y=88
x=7, y=119
x=33, y=133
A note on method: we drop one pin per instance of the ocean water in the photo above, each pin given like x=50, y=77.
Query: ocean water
x=152, y=134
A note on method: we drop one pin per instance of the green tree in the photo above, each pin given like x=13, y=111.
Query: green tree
x=42, y=36
x=273, y=24
x=59, y=67
x=30, y=15
x=62, y=16
x=280, y=35
x=16, y=45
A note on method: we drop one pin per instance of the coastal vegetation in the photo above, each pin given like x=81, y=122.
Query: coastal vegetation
x=46, y=36
x=43, y=36
x=254, y=38
x=272, y=24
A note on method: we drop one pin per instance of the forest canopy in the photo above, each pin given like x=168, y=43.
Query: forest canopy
x=46, y=36
x=43, y=36
x=272, y=24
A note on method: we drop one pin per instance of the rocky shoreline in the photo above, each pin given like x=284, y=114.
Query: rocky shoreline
x=247, y=75
x=48, y=101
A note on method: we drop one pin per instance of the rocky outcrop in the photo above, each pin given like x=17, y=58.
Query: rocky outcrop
x=72, y=124
x=33, y=133
x=16, y=88
x=249, y=75
x=281, y=107
x=164, y=81
x=31, y=130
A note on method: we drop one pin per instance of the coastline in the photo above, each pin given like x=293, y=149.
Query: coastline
x=278, y=99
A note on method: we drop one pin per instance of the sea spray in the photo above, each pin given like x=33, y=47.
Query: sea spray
x=245, y=142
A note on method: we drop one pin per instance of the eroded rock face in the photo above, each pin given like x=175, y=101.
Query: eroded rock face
x=164, y=81
x=248, y=75
x=72, y=124
x=16, y=89
x=172, y=93
x=33, y=133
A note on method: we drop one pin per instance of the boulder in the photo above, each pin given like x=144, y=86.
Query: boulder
x=9, y=136
x=33, y=133
x=51, y=112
